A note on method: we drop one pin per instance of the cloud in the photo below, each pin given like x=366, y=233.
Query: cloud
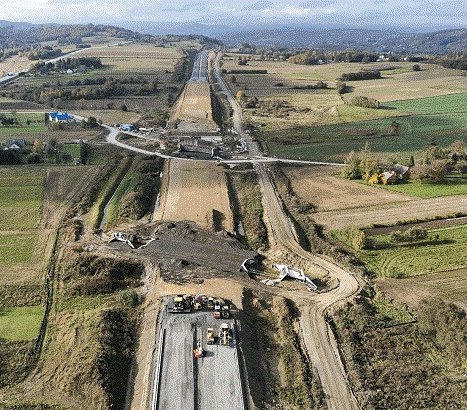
x=290, y=10
x=258, y=5
x=316, y=3
x=181, y=8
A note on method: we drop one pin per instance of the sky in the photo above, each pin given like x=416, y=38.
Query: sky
x=411, y=15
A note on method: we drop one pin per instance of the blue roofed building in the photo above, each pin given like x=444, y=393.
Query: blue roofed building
x=62, y=117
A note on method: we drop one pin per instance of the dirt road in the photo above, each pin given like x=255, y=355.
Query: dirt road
x=319, y=340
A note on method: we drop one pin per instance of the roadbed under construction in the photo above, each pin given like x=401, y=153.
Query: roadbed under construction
x=182, y=382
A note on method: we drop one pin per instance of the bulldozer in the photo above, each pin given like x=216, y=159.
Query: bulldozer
x=211, y=337
x=224, y=334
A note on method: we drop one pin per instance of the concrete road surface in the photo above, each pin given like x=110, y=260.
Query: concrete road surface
x=211, y=383
x=177, y=390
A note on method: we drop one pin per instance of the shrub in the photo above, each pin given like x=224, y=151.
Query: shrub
x=416, y=67
x=130, y=298
x=365, y=102
x=410, y=235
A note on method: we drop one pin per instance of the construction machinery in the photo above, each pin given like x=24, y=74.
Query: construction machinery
x=211, y=337
x=224, y=334
x=179, y=305
x=225, y=312
x=210, y=304
x=199, y=351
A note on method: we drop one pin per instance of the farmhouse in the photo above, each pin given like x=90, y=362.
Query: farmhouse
x=401, y=171
x=389, y=177
x=61, y=117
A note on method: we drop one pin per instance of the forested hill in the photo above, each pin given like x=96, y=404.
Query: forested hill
x=21, y=34
x=440, y=42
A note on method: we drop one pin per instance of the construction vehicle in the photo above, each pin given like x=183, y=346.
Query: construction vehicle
x=179, y=305
x=224, y=334
x=217, y=311
x=199, y=351
x=210, y=304
x=225, y=312
x=211, y=338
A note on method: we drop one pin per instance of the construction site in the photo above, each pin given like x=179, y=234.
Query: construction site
x=198, y=342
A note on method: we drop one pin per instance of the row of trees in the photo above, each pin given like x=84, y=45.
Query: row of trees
x=45, y=53
x=361, y=76
x=109, y=89
x=67, y=63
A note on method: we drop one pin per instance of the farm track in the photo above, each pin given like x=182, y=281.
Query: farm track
x=318, y=338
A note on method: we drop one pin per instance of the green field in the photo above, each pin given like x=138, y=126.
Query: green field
x=403, y=260
x=452, y=103
x=454, y=185
x=20, y=323
x=16, y=248
x=21, y=196
x=36, y=125
x=441, y=118
x=334, y=142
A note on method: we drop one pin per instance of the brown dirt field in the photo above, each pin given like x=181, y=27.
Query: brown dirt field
x=318, y=186
x=14, y=64
x=341, y=203
x=194, y=105
x=136, y=57
x=450, y=286
x=195, y=191
x=392, y=213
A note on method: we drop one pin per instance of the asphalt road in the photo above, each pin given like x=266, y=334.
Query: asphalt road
x=210, y=383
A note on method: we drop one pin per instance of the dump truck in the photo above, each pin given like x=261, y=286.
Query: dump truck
x=211, y=338
x=224, y=334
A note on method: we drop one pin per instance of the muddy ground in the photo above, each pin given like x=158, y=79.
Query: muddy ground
x=186, y=253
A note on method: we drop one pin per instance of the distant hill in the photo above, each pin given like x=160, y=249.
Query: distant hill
x=14, y=34
x=441, y=42
x=16, y=25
